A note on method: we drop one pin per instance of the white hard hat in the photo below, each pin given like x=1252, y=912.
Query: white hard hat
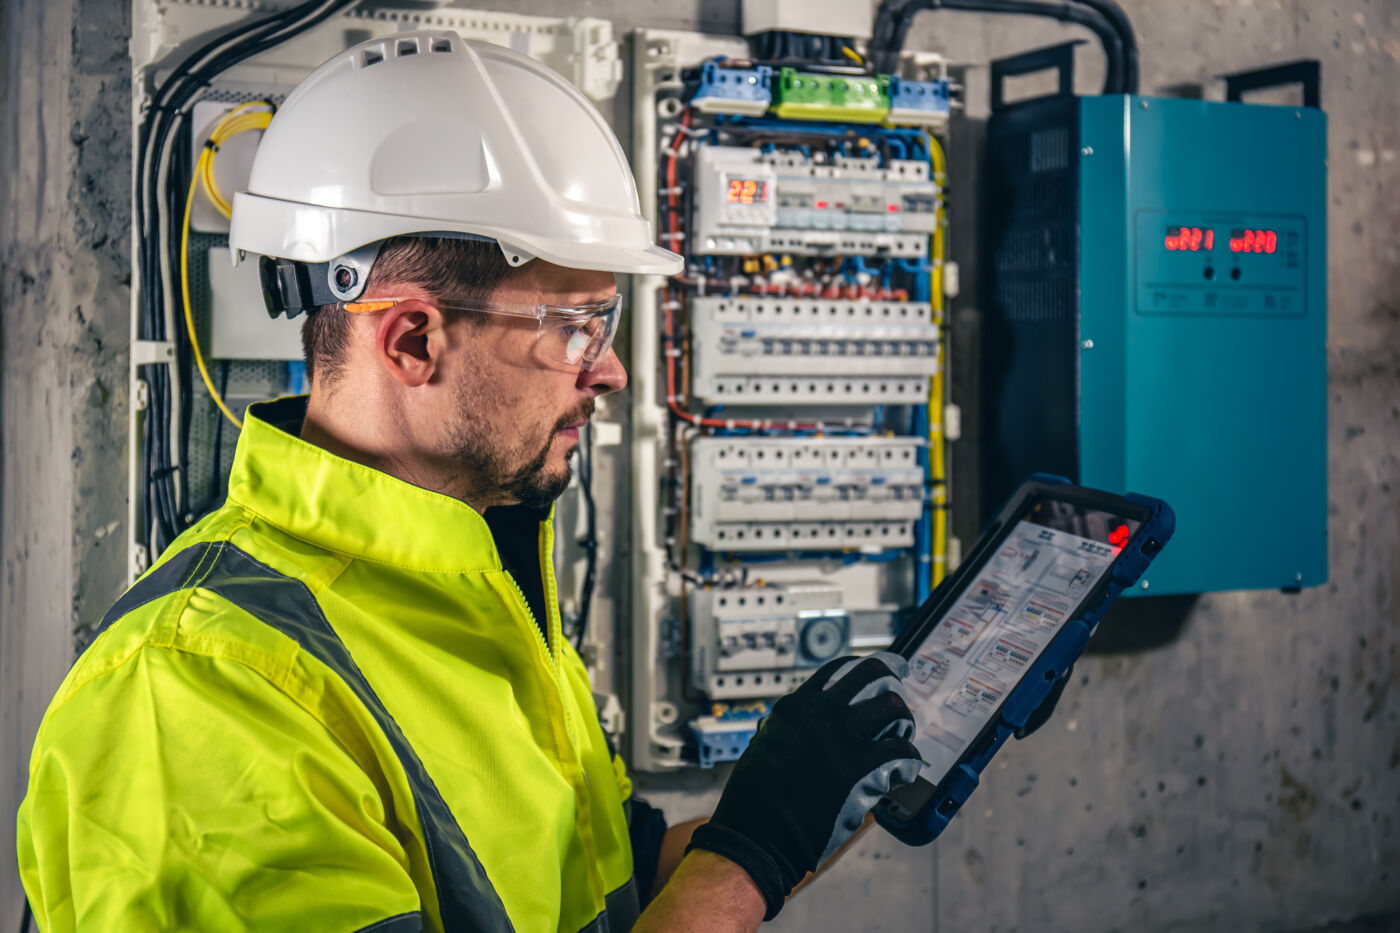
x=425, y=132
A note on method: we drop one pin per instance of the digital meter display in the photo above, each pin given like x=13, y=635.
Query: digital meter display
x=747, y=191
x=1253, y=241
x=1202, y=240
x=1191, y=239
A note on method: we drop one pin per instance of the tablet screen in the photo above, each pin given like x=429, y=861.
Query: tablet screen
x=972, y=658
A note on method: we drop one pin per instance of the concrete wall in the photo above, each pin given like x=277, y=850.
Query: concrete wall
x=65, y=187
x=1240, y=771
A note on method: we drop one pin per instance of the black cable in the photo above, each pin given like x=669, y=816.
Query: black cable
x=1124, y=27
x=894, y=19
x=216, y=466
x=181, y=171
x=1064, y=12
x=590, y=539
x=26, y=918
x=165, y=115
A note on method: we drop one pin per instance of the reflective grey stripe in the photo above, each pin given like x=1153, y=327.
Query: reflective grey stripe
x=466, y=898
x=403, y=923
x=620, y=914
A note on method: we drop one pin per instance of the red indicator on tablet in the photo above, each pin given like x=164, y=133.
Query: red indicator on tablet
x=1119, y=536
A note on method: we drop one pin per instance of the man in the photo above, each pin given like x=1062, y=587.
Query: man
x=342, y=701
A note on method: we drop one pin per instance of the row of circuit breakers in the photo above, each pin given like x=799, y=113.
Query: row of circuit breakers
x=753, y=202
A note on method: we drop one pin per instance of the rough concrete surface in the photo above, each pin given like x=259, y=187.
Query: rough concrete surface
x=64, y=218
x=1242, y=773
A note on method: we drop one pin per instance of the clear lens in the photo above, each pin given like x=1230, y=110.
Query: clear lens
x=577, y=336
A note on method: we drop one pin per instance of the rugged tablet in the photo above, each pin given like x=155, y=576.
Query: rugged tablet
x=993, y=640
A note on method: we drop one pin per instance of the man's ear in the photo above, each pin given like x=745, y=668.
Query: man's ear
x=407, y=341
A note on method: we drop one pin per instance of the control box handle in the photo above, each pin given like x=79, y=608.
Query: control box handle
x=1306, y=71
x=1059, y=58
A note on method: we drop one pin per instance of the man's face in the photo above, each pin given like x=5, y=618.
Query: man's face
x=518, y=408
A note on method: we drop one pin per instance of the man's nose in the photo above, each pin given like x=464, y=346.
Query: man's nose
x=606, y=374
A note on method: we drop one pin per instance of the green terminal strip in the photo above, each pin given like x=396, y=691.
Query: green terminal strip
x=846, y=98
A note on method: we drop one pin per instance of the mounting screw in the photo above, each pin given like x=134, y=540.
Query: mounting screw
x=1087, y=151
x=1298, y=577
x=1087, y=344
x=1144, y=584
x=345, y=277
x=1144, y=105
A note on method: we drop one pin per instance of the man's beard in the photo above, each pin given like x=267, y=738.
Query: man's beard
x=489, y=468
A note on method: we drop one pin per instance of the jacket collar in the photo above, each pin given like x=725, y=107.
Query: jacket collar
x=347, y=507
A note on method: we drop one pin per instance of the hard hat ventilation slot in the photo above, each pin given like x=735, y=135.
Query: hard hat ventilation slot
x=442, y=45
x=372, y=58
x=407, y=47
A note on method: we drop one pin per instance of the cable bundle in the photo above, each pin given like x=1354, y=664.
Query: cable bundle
x=1104, y=18
x=162, y=159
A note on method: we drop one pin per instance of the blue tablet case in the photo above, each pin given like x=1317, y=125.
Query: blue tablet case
x=1050, y=667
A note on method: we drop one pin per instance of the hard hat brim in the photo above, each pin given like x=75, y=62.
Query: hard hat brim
x=311, y=233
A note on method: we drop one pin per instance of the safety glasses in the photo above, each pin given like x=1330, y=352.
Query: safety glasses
x=578, y=335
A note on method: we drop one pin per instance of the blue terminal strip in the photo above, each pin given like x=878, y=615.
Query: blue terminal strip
x=724, y=735
x=747, y=91
x=920, y=103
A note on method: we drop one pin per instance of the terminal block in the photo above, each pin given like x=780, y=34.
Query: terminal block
x=919, y=103
x=747, y=91
x=841, y=98
x=764, y=641
x=812, y=351
x=726, y=732
x=805, y=493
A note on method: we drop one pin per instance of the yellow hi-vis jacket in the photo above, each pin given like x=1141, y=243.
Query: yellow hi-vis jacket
x=327, y=708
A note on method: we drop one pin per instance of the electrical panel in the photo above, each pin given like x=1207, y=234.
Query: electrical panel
x=790, y=394
x=1157, y=264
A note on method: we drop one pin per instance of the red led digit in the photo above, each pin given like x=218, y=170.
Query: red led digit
x=1270, y=241
x=1195, y=239
x=1210, y=239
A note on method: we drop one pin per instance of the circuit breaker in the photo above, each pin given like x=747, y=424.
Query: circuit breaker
x=780, y=493
x=1157, y=320
x=749, y=201
x=762, y=642
x=793, y=351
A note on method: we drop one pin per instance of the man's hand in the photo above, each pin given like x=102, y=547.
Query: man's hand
x=819, y=762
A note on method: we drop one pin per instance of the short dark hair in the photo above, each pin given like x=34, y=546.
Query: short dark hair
x=448, y=268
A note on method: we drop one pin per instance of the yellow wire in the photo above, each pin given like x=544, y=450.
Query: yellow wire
x=207, y=154
x=937, y=461
x=853, y=55
x=231, y=124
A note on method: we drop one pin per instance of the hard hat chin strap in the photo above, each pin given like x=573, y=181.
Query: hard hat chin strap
x=290, y=287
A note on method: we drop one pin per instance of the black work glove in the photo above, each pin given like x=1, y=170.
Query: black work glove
x=825, y=755
x=1042, y=713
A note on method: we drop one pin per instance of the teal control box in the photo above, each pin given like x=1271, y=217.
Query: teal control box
x=1156, y=319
